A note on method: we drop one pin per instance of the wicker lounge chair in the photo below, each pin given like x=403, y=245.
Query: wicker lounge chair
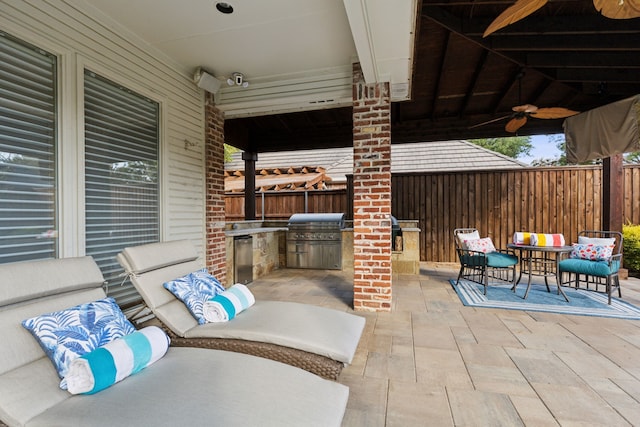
x=316, y=339
x=188, y=386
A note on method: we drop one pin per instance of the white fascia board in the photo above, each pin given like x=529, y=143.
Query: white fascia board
x=384, y=35
x=358, y=16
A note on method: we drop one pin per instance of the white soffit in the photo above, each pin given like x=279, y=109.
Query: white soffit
x=329, y=88
x=296, y=54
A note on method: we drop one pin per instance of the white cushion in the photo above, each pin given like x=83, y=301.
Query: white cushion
x=193, y=387
x=331, y=333
x=600, y=241
x=484, y=245
x=467, y=236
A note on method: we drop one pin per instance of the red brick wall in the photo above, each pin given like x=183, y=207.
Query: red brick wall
x=214, y=145
x=371, y=194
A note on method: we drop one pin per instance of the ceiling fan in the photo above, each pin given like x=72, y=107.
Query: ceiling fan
x=521, y=113
x=614, y=9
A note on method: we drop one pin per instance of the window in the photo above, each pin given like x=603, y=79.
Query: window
x=121, y=177
x=28, y=197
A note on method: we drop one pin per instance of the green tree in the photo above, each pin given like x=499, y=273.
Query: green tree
x=632, y=158
x=136, y=171
x=228, y=151
x=561, y=160
x=514, y=146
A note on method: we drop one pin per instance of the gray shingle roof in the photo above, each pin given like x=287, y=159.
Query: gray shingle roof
x=437, y=156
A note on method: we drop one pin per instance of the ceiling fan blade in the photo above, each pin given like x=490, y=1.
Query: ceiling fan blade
x=553, y=113
x=516, y=123
x=489, y=121
x=521, y=9
x=526, y=108
x=618, y=9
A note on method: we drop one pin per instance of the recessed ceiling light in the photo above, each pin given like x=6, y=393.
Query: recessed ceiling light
x=225, y=8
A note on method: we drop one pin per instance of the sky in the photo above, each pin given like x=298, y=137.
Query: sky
x=542, y=147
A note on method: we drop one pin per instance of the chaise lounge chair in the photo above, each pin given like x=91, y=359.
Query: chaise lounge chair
x=188, y=386
x=317, y=339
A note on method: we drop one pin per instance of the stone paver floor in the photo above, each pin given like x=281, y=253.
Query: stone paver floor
x=433, y=362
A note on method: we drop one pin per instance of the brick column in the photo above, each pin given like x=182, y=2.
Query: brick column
x=371, y=194
x=216, y=258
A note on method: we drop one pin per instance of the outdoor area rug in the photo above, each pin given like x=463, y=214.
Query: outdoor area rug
x=581, y=302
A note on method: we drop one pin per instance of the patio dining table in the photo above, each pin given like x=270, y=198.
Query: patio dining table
x=540, y=261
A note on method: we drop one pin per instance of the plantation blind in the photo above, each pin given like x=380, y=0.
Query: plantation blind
x=27, y=152
x=121, y=177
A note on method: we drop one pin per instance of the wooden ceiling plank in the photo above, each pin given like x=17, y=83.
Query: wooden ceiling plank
x=552, y=43
x=585, y=59
x=598, y=75
x=438, y=89
x=471, y=89
x=551, y=25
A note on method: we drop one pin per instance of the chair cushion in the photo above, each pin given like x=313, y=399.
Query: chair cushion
x=467, y=236
x=198, y=387
x=592, y=252
x=499, y=259
x=484, y=245
x=592, y=268
x=584, y=240
x=320, y=330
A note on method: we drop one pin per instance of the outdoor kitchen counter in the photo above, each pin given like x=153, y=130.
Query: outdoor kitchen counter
x=267, y=248
x=250, y=231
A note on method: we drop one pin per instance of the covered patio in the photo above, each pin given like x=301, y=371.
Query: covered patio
x=433, y=361
x=316, y=71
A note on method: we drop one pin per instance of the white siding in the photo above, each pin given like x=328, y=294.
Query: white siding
x=82, y=38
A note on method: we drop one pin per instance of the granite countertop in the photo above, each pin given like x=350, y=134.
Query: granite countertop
x=250, y=231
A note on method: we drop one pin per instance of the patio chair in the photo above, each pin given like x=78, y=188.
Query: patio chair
x=480, y=261
x=596, y=259
x=317, y=339
x=186, y=386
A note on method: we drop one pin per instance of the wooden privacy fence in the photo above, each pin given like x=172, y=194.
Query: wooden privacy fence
x=498, y=203
x=280, y=205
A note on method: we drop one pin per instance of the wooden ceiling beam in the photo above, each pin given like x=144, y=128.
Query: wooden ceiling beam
x=584, y=59
x=592, y=43
x=598, y=75
x=512, y=83
x=438, y=89
x=471, y=89
x=551, y=25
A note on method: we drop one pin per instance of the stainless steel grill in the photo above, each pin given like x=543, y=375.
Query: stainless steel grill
x=315, y=241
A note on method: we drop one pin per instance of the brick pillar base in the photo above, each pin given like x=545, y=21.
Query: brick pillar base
x=216, y=260
x=371, y=194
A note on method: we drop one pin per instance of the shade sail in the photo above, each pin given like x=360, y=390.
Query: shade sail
x=604, y=131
